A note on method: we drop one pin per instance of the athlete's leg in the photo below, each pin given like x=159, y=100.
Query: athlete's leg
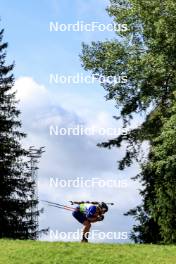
x=86, y=230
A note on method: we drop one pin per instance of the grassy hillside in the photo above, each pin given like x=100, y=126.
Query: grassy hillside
x=28, y=252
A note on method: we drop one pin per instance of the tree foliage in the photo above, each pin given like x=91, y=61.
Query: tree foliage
x=146, y=54
x=18, y=211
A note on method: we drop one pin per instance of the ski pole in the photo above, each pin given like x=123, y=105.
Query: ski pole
x=72, y=203
x=61, y=206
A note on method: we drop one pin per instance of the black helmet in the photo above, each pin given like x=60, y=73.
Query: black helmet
x=104, y=207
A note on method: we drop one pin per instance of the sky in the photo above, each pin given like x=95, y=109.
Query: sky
x=38, y=53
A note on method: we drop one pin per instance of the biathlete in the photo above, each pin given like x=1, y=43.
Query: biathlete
x=87, y=213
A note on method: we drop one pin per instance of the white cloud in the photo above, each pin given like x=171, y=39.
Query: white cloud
x=28, y=91
x=71, y=157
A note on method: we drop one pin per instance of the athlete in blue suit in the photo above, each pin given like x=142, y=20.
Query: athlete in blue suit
x=87, y=213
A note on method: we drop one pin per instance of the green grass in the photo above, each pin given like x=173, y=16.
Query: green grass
x=29, y=252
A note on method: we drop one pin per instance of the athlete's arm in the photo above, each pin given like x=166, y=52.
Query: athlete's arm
x=96, y=219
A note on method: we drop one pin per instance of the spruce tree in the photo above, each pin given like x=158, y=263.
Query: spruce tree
x=17, y=184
